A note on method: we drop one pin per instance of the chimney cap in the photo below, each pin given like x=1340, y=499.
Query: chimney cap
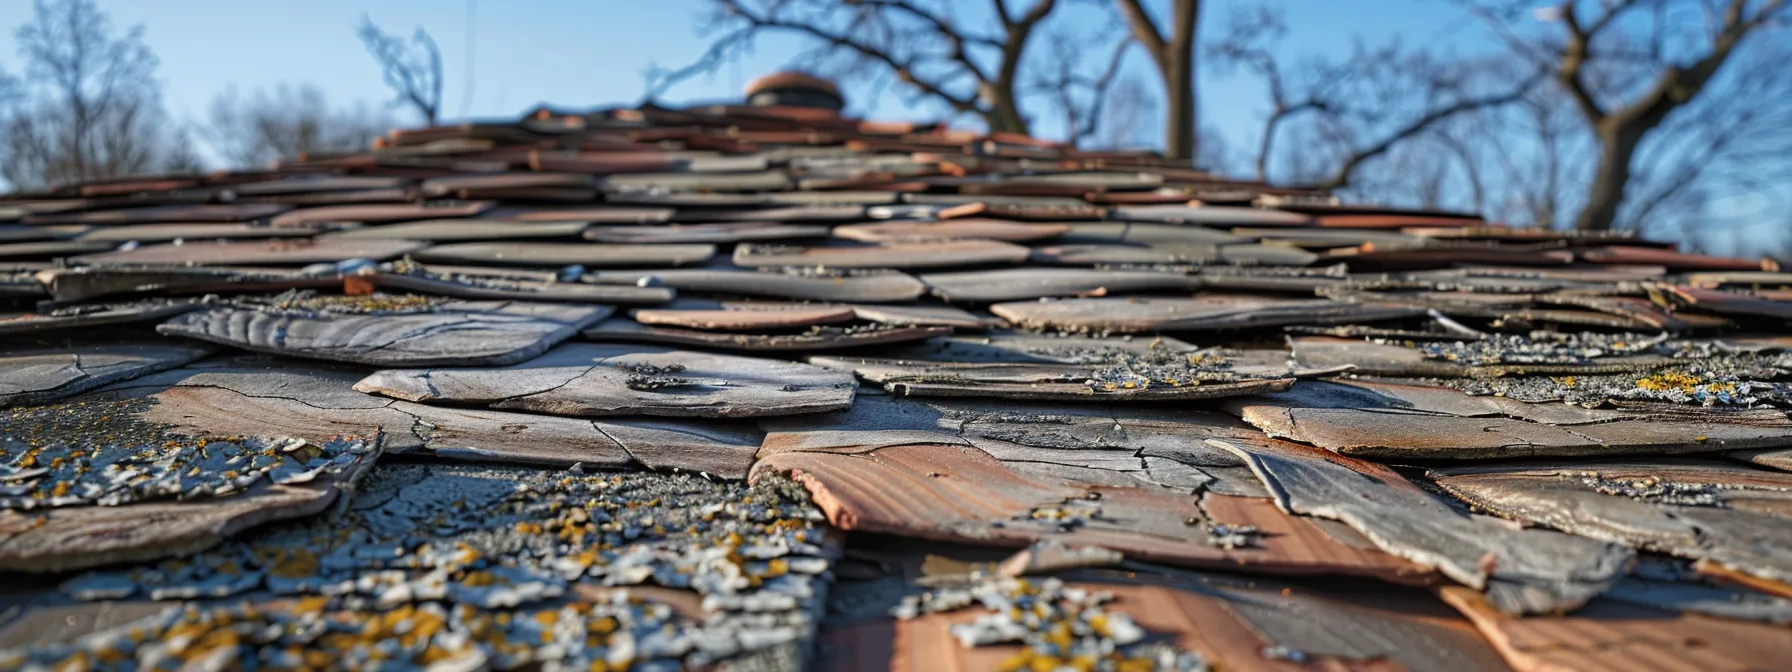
x=775, y=89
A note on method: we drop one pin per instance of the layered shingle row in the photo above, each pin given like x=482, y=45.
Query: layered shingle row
x=378, y=406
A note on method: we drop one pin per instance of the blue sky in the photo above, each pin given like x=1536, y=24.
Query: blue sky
x=577, y=53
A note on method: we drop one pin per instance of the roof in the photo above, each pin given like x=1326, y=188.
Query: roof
x=758, y=387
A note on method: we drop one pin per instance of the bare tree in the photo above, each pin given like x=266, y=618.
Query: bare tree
x=287, y=122
x=183, y=158
x=1122, y=110
x=1172, y=50
x=1524, y=159
x=1736, y=145
x=1365, y=106
x=414, y=71
x=89, y=106
x=1103, y=106
x=975, y=59
x=1248, y=46
x=969, y=67
x=1627, y=65
x=10, y=92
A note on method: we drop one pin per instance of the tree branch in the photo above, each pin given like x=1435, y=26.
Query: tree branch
x=944, y=25
x=1575, y=54
x=659, y=80
x=415, y=78
x=1144, y=29
x=1004, y=109
x=1036, y=14
x=1341, y=177
x=904, y=70
x=1002, y=13
x=1477, y=186
x=1099, y=89
x=1272, y=124
x=947, y=30
x=1676, y=85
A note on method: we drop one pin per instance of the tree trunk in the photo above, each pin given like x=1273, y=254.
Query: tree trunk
x=1004, y=115
x=1177, y=64
x=1179, y=110
x=1617, y=146
x=1003, y=111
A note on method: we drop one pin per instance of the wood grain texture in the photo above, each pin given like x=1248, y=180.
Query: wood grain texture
x=943, y=254
x=924, y=316
x=48, y=250
x=1370, y=358
x=818, y=338
x=93, y=315
x=309, y=185
x=1041, y=381
x=256, y=252
x=590, y=255
x=161, y=233
x=463, y=333
x=1385, y=635
x=589, y=380
x=955, y=229
x=68, y=539
x=1139, y=458
x=464, y=230
x=1015, y=284
x=1132, y=314
x=1607, y=636
x=317, y=404
x=783, y=207
x=1387, y=420
x=1096, y=254
x=1086, y=442
x=386, y=196
x=63, y=623
x=91, y=282
x=521, y=290
x=1522, y=571
x=1773, y=458
x=42, y=375
x=164, y=213
x=591, y=214
x=720, y=319
x=874, y=288
x=226, y=397
x=719, y=449
x=1720, y=512
x=771, y=180
x=959, y=493
x=1393, y=221
x=728, y=232
x=445, y=186
x=1208, y=215
x=1020, y=347
x=396, y=212
x=1147, y=234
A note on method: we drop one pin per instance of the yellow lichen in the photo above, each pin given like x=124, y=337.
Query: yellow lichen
x=1669, y=381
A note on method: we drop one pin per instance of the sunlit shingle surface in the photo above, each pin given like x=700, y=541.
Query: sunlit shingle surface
x=758, y=388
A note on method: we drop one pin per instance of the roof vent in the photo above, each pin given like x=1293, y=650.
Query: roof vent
x=794, y=89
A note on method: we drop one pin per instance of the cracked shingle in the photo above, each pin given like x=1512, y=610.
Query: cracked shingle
x=605, y=380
